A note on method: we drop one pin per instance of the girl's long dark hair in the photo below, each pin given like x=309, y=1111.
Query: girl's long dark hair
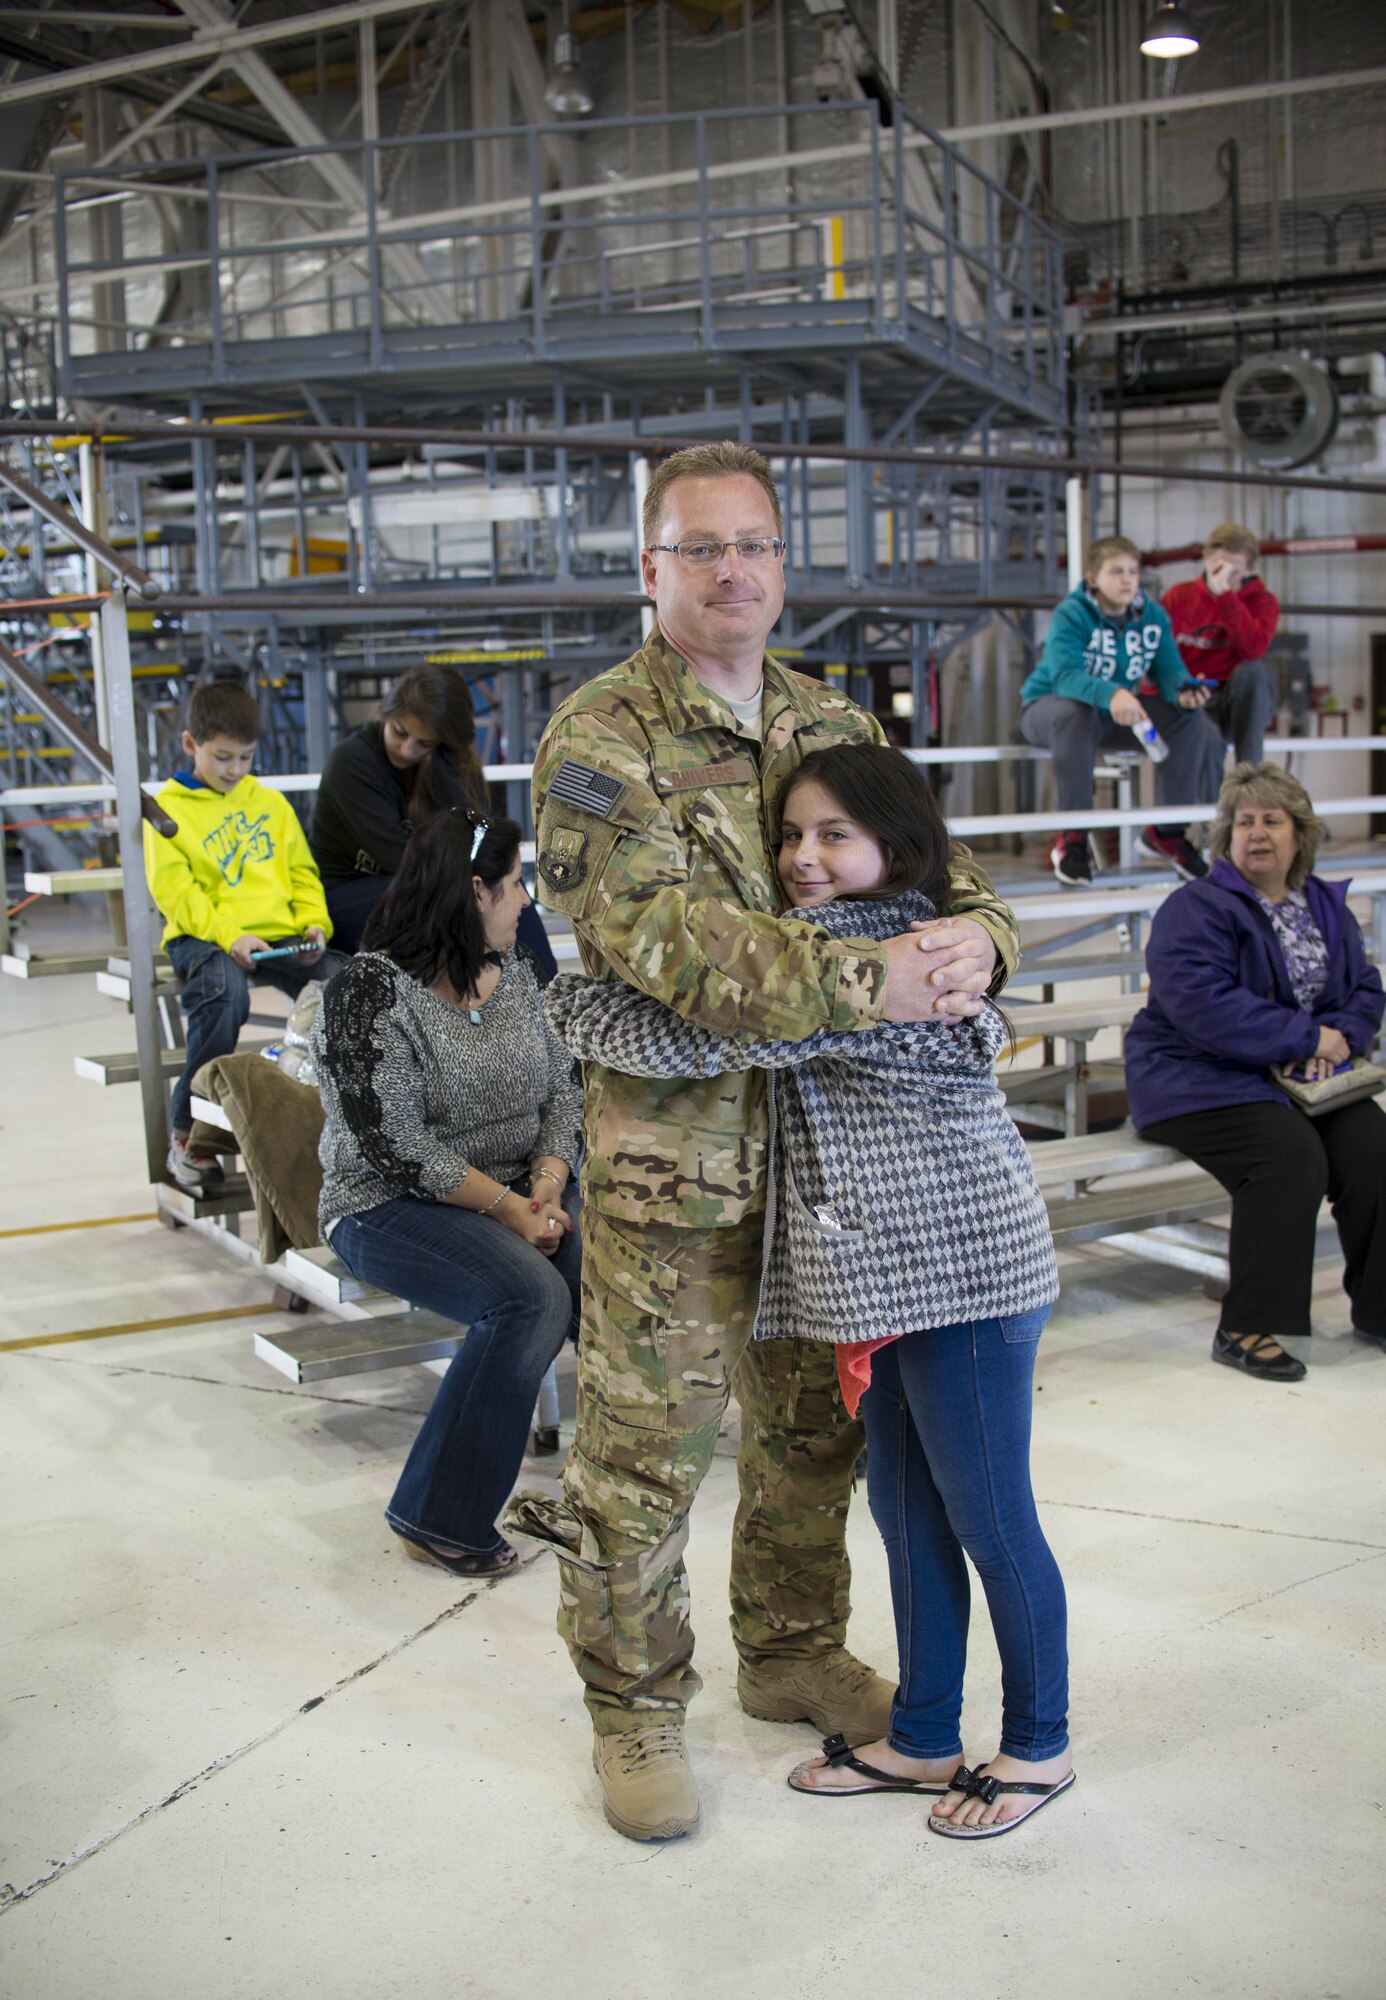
x=440, y=699
x=889, y=797
x=428, y=920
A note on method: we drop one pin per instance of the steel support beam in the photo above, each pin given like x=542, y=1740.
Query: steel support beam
x=290, y=116
x=127, y=572
x=221, y=39
x=139, y=911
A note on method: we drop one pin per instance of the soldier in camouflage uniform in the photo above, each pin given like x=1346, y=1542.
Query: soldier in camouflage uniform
x=657, y=806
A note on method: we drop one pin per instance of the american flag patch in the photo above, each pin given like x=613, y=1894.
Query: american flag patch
x=590, y=791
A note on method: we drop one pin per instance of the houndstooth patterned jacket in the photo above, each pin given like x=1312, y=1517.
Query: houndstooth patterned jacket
x=901, y=1195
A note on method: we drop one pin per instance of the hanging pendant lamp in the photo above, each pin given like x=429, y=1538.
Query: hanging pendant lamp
x=1171, y=33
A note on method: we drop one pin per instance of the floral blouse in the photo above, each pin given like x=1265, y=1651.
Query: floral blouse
x=1301, y=941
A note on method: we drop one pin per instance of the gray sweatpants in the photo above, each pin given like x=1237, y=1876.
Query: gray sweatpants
x=1073, y=732
x=1237, y=713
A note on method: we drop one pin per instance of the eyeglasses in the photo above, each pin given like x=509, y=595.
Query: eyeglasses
x=701, y=555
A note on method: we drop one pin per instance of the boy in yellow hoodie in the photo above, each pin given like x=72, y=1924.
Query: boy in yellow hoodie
x=235, y=882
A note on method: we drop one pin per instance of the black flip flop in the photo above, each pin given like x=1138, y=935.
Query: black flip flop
x=837, y=1750
x=973, y=1785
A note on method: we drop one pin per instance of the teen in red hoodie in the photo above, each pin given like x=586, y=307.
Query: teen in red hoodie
x=1223, y=621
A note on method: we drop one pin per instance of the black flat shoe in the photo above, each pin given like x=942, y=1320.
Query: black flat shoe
x=1257, y=1354
x=500, y=1563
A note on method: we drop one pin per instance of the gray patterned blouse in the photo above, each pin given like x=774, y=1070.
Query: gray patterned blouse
x=416, y=1091
x=1301, y=944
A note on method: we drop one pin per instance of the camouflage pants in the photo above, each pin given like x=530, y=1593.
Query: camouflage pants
x=666, y=1320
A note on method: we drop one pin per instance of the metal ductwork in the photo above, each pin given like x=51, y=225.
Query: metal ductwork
x=1278, y=411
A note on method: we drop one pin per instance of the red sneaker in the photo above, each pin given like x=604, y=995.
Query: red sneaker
x=1181, y=854
x=1071, y=861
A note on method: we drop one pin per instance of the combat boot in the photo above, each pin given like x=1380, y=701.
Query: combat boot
x=647, y=1782
x=838, y=1694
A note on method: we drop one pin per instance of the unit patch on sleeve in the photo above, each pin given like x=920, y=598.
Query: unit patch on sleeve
x=563, y=862
x=575, y=784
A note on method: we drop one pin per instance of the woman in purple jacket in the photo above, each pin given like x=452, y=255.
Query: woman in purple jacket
x=1258, y=967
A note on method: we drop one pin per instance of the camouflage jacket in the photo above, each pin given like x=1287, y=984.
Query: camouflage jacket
x=656, y=824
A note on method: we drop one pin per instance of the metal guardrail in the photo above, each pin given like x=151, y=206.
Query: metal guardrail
x=893, y=233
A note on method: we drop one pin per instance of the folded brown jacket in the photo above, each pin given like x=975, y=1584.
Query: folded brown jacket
x=277, y=1124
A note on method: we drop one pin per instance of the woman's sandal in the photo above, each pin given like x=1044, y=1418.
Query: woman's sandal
x=973, y=1785
x=837, y=1750
x=498, y=1564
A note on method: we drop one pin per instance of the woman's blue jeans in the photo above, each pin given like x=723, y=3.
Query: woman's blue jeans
x=518, y=1306
x=948, y=1476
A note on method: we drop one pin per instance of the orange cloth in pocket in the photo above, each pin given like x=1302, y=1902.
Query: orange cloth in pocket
x=854, y=1368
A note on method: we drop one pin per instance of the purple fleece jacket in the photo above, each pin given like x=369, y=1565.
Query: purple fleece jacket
x=1221, y=1008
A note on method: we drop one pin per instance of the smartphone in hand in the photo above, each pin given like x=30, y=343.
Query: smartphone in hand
x=290, y=948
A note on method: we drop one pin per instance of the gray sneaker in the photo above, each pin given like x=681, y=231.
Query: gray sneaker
x=191, y=1169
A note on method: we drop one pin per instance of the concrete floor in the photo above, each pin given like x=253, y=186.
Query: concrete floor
x=249, y=1750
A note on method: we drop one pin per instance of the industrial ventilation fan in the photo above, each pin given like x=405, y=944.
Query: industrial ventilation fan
x=1278, y=411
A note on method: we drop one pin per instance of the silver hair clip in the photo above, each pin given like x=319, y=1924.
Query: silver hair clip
x=483, y=827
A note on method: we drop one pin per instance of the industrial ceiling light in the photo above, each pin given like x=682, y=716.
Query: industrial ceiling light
x=1171, y=33
x=565, y=93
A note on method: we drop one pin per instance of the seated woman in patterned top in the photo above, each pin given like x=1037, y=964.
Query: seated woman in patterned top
x=904, y=1224
x=448, y=1155
x=1259, y=967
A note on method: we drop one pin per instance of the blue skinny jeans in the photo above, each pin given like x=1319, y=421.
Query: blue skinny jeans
x=215, y=997
x=948, y=1477
x=518, y=1306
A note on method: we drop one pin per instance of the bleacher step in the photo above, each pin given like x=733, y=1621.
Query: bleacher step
x=1088, y=1217
x=322, y=1277
x=116, y=986
x=18, y=966
x=125, y=1068
x=1099, y=1154
x=233, y=1197
x=1080, y=1019
x=358, y=1346
x=71, y=881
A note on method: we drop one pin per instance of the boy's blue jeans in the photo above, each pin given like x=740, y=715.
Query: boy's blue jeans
x=948, y=1476
x=215, y=997
x=518, y=1306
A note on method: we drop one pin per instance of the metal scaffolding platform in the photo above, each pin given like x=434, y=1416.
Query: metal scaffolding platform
x=791, y=240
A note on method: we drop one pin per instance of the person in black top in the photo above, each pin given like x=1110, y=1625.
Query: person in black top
x=387, y=778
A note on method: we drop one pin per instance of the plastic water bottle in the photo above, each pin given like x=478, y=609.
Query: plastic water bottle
x=1151, y=741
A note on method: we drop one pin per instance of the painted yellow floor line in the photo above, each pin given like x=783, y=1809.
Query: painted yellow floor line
x=96, y=1222
x=138, y=1326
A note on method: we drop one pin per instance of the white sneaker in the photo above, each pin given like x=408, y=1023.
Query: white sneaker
x=192, y=1170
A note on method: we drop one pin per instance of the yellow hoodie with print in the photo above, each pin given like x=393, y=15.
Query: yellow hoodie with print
x=239, y=864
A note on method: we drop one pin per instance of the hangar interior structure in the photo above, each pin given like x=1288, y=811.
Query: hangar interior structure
x=339, y=337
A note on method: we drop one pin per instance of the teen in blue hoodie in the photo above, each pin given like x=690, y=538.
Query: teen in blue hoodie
x=1105, y=639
